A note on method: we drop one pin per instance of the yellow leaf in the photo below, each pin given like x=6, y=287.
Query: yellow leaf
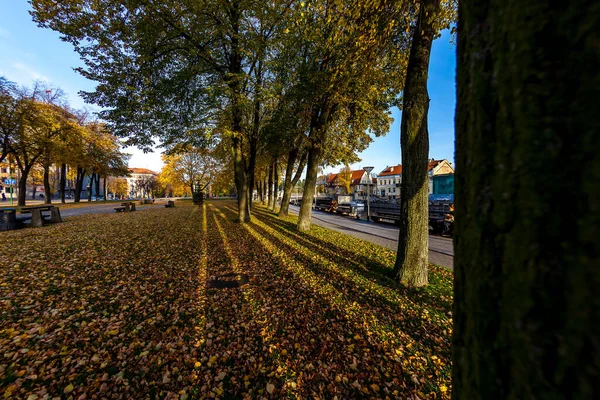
x=443, y=389
x=69, y=388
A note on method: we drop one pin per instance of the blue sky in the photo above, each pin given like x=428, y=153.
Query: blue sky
x=28, y=53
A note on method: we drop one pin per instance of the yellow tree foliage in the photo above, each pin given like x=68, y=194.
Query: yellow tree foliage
x=345, y=178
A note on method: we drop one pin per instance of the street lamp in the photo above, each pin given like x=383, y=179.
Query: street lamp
x=368, y=169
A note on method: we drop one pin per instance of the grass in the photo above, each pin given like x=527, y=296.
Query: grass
x=118, y=304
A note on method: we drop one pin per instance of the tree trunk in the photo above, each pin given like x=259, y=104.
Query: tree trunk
x=308, y=192
x=270, y=188
x=287, y=182
x=527, y=248
x=79, y=184
x=97, y=187
x=275, y=184
x=63, y=182
x=413, y=242
x=318, y=129
x=92, y=175
x=47, y=189
x=259, y=190
x=23, y=186
x=285, y=206
x=105, y=189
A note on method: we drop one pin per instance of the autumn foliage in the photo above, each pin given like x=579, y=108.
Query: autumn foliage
x=118, y=305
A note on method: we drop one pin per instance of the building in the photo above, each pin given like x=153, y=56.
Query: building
x=388, y=182
x=390, y=179
x=6, y=173
x=136, y=175
x=359, y=181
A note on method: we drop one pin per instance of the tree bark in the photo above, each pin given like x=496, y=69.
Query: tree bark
x=316, y=139
x=275, y=184
x=264, y=188
x=308, y=192
x=79, y=184
x=287, y=191
x=97, y=187
x=23, y=186
x=270, y=187
x=527, y=248
x=105, y=189
x=63, y=182
x=413, y=242
x=287, y=182
x=47, y=189
x=235, y=86
x=92, y=175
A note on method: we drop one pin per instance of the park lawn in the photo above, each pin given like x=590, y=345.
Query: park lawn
x=118, y=305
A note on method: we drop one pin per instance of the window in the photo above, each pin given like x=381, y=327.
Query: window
x=4, y=170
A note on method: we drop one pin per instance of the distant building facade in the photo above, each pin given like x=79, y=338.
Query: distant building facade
x=135, y=174
x=389, y=180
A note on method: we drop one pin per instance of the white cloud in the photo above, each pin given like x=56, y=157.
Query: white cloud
x=29, y=72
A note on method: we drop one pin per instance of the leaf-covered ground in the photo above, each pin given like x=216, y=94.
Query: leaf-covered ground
x=118, y=306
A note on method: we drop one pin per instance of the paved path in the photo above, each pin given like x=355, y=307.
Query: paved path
x=95, y=209
x=441, y=250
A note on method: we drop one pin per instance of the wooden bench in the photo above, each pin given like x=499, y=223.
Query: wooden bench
x=38, y=219
x=170, y=204
x=146, y=201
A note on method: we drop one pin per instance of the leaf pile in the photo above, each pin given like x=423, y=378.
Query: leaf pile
x=118, y=306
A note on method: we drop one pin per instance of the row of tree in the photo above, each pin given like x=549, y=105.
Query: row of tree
x=300, y=84
x=297, y=82
x=39, y=130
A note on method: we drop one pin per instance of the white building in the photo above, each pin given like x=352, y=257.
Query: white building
x=135, y=175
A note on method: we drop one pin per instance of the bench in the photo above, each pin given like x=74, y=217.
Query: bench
x=170, y=204
x=146, y=201
x=38, y=219
x=126, y=207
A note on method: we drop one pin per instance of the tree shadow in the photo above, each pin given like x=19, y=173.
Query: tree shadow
x=430, y=295
x=422, y=331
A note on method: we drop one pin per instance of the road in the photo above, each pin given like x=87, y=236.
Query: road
x=441, y=250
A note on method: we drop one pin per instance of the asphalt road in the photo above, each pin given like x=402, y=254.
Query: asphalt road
x=441, y=250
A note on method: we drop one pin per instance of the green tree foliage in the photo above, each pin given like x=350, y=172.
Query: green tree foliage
x=172, y=69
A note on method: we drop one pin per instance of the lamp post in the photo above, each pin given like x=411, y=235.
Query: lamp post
x=368, y=170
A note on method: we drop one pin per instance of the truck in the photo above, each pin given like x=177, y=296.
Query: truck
x=439, y=207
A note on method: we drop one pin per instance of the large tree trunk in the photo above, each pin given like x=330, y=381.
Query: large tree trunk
x=316, y=139
x=47, y=188
x=23, y=186
x=308, y=192
x=264, y=189
x=270, y=188
x=527, y=247
x=236, y=92
x=63, y=182
x=413, y=242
